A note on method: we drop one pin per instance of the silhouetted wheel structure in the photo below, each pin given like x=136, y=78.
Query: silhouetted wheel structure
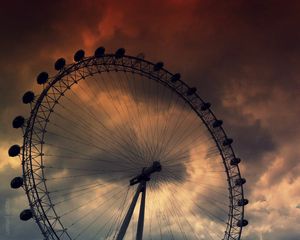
x=106, y=128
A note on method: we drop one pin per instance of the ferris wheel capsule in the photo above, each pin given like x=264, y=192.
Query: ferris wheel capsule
x=60, y=64
x=18, y=122
x=242, y=223
x=16, y=182
x=28, y=97
x=243, y=202
x=217, y=123
x=235, y=161
x=42, y=78
x=120, y=53
x=79, y=55
x=14, y=150
x=100, y=52
x=205, y=106
x=26, y=214
x=240, y=181
x=227, y=142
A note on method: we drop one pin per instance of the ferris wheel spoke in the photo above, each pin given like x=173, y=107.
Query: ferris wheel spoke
x=86, y=189
x=90, y=170
x=77, y=153
x=112, y=227
x=174, y=160
x=138, y=115
x=95, y=200
x=80, y=125
x=182, y=126
x=110, y=207
x=56, y=197
x=73, y=112
x=100, y=229
x=67, y=189
x=130, y=135
x=182, y=145
x=208, y=215
x=205, y=173
x=207, y=185
x=143, y=121
x=104, y=109
x=91, y=122
x=187, y=140
x=104, y=226
x=87, y=172
x=131, y=114
x=71, y=150
x=75, y=140
x=158, y=102
x=84, y=175
x=150, y=209
x=112, y=218
x=66, y=201
x=90, y=201
x=181, y=148
x=177, y=206
x=173, y=177
x=143, y=115
x=177, y=211
x=121, y=210
x=152, y=186
x=99, y=213
x=204, y=170
x=86, y=125
x=211, y=200
x=183, y=163
x=167, y=123
x=147, y=90
x=90, y=140
x=116, y=154
x=186, y=155
x=173, y=213
x=102, y=126
x=177, y=164
x=162, y=216
x=206, y=212
x=177, y=125
x=86, y=159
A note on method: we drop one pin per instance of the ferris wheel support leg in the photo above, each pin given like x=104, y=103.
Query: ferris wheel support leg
x=140, y=227
x=128, y=216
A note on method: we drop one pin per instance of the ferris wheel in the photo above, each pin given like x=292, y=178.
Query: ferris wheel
x=117, y=147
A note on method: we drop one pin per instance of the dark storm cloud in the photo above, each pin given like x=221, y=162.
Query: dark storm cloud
x=252, y=141
x=215, y=45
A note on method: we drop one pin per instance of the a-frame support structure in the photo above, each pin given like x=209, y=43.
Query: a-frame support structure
x=141, y=189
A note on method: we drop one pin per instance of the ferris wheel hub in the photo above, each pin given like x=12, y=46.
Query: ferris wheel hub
x=146, y=173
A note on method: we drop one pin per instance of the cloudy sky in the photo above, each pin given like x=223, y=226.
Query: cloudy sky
x=243, y=56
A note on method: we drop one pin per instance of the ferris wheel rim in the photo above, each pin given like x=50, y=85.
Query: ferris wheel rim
x=114, y=62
